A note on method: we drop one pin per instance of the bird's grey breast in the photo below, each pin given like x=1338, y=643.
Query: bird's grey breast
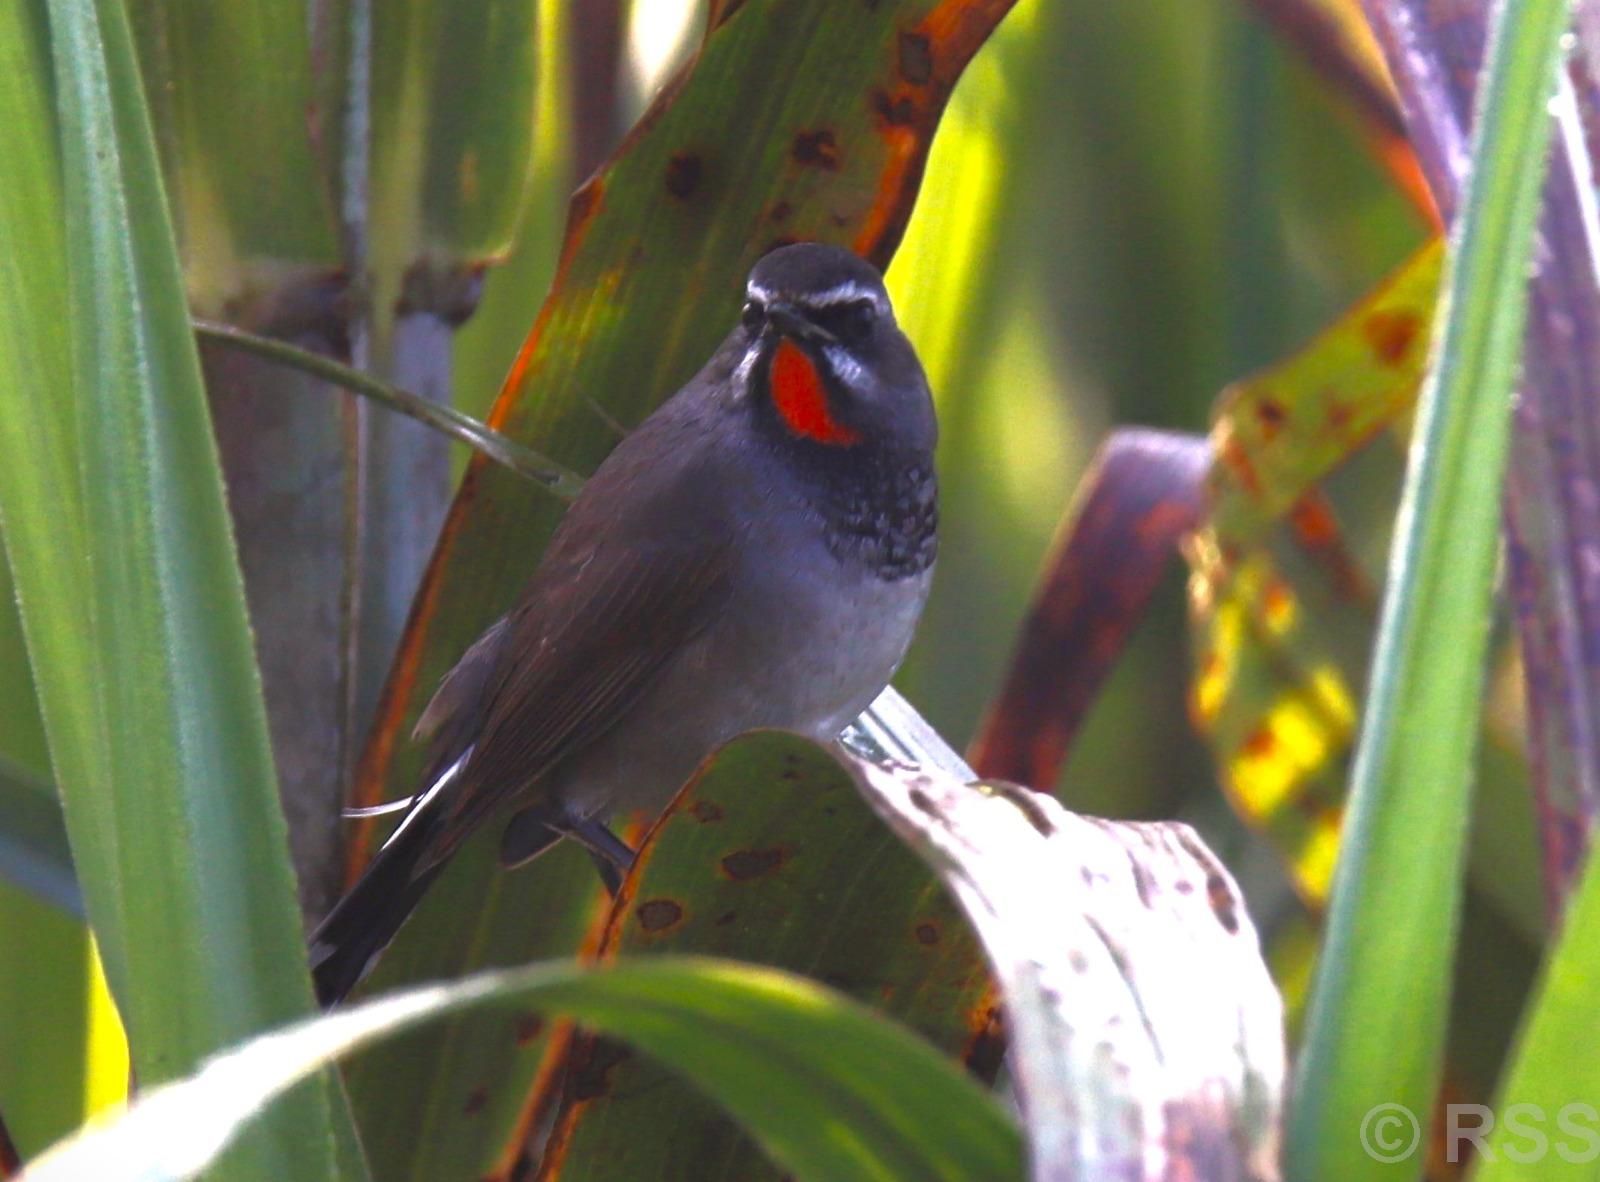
x=829, y=597
x=816, y=612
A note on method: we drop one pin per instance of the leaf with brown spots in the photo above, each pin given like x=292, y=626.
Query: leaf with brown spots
x=1279, y=433
x=476, y=915
x=1280, y=613
x=820, y=149
x=796, y=873
x=650, y=278
x=683, y=175
x=1146, y=1033
x=1281, y=632
x=1273, y=694
x=659, y=915
x=743, y=864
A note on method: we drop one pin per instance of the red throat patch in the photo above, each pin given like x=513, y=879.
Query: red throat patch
x=802, y=399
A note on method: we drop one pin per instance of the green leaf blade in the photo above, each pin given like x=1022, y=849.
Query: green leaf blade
x=769, y=856
x=1378, y=1012
x=834, y=1092
x=120, y=544
x=1550, y=1086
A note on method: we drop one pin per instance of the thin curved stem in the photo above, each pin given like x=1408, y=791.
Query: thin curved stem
x=463, y=428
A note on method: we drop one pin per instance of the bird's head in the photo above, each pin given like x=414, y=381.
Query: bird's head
x=823, y=352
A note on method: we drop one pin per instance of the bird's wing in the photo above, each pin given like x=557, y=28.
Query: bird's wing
x=594, y=631
x=455, y=710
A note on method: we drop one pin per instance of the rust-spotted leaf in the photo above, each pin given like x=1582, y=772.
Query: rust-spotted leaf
x=770, y=856
x=1272, y=698
x=1275, y=677
x=1278, y=433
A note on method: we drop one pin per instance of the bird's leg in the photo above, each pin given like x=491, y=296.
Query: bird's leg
x=611, y=855
x=610, y=876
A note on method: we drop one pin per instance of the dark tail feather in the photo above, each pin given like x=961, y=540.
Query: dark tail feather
x=362, y=923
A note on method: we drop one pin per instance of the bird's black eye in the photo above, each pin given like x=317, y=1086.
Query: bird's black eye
x=849, y=322
x=754, y=315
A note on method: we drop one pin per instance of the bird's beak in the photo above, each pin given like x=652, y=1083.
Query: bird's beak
x=790, y=321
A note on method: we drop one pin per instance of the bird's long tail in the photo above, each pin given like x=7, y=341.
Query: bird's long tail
x=369, y=915
x=362, y=923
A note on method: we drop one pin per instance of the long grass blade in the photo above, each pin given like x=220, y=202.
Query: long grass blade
x=121, y=548
x=1379, y=1008
x=1547, y=1110
x=832, y=1091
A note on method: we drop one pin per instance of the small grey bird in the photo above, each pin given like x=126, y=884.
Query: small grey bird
x=755, y=554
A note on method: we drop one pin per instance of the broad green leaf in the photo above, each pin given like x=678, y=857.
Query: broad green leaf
x=1145, y=1035
x=118, y=541
x=769, y=855
x=33, y=839
x=1549, y=1088
x=22, y=738
x=39, y=501
x=794, y=120
x=235, y=114
x=833, y=1092
x=60, y=1039
x=1376, y=1024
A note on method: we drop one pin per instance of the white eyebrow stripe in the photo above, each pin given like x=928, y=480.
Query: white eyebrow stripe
x=848, y=292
